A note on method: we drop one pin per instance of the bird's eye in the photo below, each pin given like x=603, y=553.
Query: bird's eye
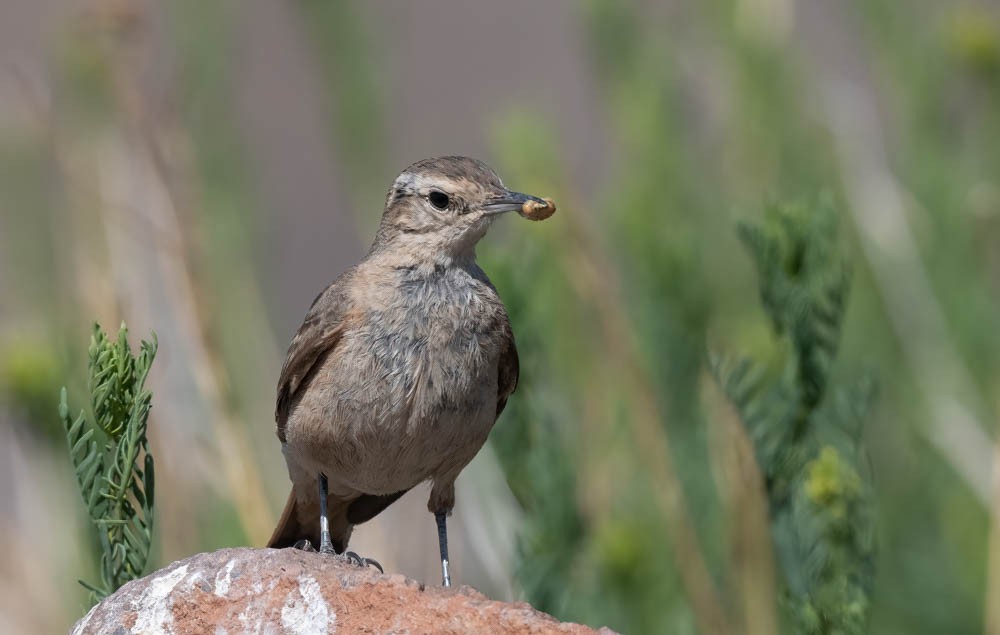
x=439, y=200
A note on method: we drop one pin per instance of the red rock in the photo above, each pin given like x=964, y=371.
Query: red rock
x=289, y=591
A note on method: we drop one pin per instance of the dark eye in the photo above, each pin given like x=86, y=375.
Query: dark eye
x=439, y=200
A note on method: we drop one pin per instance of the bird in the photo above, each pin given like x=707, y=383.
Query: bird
x=403, y=364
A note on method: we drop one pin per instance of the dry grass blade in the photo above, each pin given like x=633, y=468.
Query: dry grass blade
x=751, y=556
x=594, y=282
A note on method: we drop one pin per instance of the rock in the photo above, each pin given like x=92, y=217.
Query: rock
x=290, y=591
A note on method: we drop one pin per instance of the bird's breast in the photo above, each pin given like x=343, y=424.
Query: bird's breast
x=434, y=348
x=412, y=387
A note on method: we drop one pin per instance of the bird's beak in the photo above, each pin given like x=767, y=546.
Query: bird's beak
x=509, y=202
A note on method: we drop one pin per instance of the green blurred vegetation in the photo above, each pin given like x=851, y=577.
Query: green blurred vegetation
x=639, y=490
x=806, y=434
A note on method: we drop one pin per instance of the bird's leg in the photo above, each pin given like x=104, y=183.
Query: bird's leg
x=441, y=518
x=325, y=543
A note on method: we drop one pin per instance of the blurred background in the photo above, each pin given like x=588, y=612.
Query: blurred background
x=204, y=169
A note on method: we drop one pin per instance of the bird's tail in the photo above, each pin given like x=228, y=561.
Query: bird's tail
x=289, y=529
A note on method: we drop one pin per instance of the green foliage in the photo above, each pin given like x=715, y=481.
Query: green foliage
x=533, y=440
x=806, y=432
x=28, y=369
x=110, y=455
x=975, y=40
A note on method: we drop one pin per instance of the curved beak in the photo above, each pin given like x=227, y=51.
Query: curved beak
x=509, y=202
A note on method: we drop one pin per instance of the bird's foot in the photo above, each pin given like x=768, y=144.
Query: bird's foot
x=327, y=548
x=360, y=561
x=349, y=556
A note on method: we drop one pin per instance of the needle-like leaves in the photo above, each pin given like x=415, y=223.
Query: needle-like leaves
x=806, y=432
x=110, y=455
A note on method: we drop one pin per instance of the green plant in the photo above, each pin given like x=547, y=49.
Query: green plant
x=806, y=430
x=111, y=457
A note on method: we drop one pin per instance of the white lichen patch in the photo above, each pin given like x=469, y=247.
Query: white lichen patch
x=224, y=579
x=196, y=579
x=153, y=607
x=306, y=612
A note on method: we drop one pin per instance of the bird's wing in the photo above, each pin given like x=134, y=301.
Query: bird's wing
x=509, y=368
x=320, y=331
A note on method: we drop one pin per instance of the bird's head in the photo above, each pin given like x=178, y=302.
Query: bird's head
x=440, y=208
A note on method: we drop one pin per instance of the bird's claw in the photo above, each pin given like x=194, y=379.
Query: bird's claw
x=350, y=556
x=353, y=558
x=360, y=561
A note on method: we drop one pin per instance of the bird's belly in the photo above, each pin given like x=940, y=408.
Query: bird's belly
x=397, y=406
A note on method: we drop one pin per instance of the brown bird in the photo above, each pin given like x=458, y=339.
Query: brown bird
x=402, y=365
